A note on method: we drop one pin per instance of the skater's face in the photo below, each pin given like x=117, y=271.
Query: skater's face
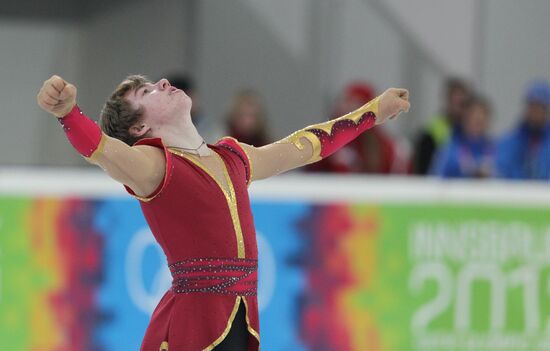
x=161, y=102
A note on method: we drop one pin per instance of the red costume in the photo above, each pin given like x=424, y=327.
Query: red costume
x=209, y=239
x=83, y=133
x=207, y=232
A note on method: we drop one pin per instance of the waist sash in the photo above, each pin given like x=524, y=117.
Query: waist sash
x=229, y=276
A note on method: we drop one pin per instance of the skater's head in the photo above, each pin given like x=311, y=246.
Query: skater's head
x=139, y=108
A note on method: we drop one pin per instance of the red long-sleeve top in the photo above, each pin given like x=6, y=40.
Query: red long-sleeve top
x=203, y=228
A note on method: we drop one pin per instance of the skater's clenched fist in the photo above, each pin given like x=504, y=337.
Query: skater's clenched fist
x=393, y=102
x=57, y=96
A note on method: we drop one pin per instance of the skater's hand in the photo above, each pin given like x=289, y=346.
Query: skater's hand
x=392, y=102
x=57, y=96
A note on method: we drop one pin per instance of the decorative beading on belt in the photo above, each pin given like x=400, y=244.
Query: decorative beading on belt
x=228, y=276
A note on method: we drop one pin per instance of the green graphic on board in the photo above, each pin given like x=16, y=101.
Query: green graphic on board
x=450, y=277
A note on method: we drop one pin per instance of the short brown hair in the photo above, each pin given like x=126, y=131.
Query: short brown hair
x=117, y=115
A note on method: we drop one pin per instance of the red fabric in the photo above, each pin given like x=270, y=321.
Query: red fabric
x=157, y=142
x=190, y=218
x=233, y=276
x=342, y=132
x=83, y=133
x=372, y=152
x=233, y=146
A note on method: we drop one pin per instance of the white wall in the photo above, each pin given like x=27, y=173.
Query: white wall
x=516, y=50
x=299, y=54
x=444, y=28
x=499, y=45
x=30, y=53
x=366, y=48
x=95, y=55
x=302, y=61
x=238, y=49
x=146, y=37
x=291, y=27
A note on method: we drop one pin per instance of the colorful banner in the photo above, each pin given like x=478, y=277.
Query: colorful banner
x=81, y=274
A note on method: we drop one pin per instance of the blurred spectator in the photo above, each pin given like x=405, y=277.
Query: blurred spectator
x=373, y=151
x=525, y=152
x=442, y=127
x=246, y=120
x=469, y=154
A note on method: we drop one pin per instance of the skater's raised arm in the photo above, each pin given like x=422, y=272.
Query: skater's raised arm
x=318, y=141
x=140, y=167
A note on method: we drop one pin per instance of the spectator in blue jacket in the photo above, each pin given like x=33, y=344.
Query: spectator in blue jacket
x=469, y=154
x=525, y=152
x=443, y=127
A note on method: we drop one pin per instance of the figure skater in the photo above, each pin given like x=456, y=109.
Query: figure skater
x=194, y=197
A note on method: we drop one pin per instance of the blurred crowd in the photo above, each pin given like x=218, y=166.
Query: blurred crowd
x=455, y=143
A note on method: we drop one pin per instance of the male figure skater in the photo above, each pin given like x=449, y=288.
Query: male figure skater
x=194, y=197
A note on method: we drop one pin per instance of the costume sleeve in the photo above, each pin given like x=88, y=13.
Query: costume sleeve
x=156, y=142
x=330, y=136
x=233, y=145
x=83, y=133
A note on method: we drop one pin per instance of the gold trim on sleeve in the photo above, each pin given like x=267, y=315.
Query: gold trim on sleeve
x=228, y=326
x=164, y=183
x=247, y=156
x=250, y=168
x=144, y=199
x=354, y=116
x=295, y=139
x=99, y=149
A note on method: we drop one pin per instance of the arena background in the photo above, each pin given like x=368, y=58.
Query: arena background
x=347, y=262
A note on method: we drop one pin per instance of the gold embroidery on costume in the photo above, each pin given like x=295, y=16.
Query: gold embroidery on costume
x=355, y=116
x=164, y=346
x=144, y=199
x=230, y=197
x=249, y=327
x=235, y=215
x=247, y=156
x=147, y=199
x=228, y=326
x=251, y=169
x=295, y=137
x=99, y=148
